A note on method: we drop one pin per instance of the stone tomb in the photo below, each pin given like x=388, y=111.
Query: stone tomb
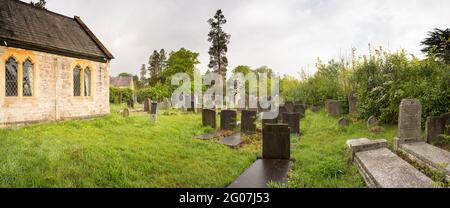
x=209, y=118
x=248, y=119
x=275, y=162
x=381, y=168
x=228, y=120
x=333, y=108
x=410, y=144
x=293, y=121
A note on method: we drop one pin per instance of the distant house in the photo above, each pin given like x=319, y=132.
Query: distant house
x=122, y=82
x=52, y=67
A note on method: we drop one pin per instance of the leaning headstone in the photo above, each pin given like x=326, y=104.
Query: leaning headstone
x=343, y=122
x=372, y=122
x=276, y=141
x=409, y=127
x=227, y=120
x=147, y=105
x=153, y=109
x=126, y=112
x=209, y=118
x=248, y=119
x=315, y=109
x=293, y=121
x=352, y=103
x=333, y=107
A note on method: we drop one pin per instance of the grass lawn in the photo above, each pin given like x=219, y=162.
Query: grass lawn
x=132, y=152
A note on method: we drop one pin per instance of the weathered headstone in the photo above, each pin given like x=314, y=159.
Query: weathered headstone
x=301, y=108
x=276, y=141
x=315, y=109
x=281, y=109
x=153, y=109
x=333, y=107
x=343, y=122
x=409, y=120
x=289, y=107
x=147, y=105
x=227, y=119
x=126, y=112
x=120, y=98
x=352, y=103
x=293, y=121
x=372, y=122
x=209, y=118
x=248, y=119
x=437, y=126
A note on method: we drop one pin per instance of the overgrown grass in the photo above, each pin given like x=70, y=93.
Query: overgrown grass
x=132, y=152
x=118, y=152
x=322, y=159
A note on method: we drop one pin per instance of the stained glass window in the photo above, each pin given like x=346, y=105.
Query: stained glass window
x=87, y=82
x=11, y=82
x=76, y=81
x=27, y=78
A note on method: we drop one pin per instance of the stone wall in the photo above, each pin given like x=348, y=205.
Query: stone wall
x=53, y=98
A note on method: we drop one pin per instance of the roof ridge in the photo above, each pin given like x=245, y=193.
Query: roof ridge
x=45, y=10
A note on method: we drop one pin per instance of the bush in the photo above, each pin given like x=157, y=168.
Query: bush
x=115, y=93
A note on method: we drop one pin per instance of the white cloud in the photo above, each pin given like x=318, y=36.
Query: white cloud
x=284, y=35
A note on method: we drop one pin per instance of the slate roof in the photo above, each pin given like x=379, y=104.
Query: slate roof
x=25, y=26
x=120, y=81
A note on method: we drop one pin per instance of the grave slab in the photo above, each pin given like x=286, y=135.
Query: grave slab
x=206, y=136
x=233, y=140
x=428, y=155
x=381, y=168
x=263, y=171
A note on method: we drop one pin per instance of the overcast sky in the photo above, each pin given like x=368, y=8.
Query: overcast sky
x=284, y=35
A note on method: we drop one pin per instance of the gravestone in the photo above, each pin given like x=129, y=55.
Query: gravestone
x=289, y=107
x=276, y=141
x=343, y=122
x=153, y=109
x=126, y=112
x=281, y=110
x=120, y=98
x=227, y=120
x=352, y=103
x=372, y=122
x=293, y=121
x=209, y=118
x=130, y=104
x=333, y=107
x=301, y=108
x=269, y=118
x=437, y=126
x=147, y=105
x=248, y=119
x=315, y=109
x=409, y=120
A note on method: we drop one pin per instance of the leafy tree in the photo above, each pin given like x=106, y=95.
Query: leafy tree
x=181, y=61
x=40, y=4
x=219, y=39
x=124, y=74
x=242, y=69
x=157, y=64
x=437, y=45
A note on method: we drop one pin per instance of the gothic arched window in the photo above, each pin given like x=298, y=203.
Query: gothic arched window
x=11, y=77
x=87, y=82
x=77, y=81
x=27, y=78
